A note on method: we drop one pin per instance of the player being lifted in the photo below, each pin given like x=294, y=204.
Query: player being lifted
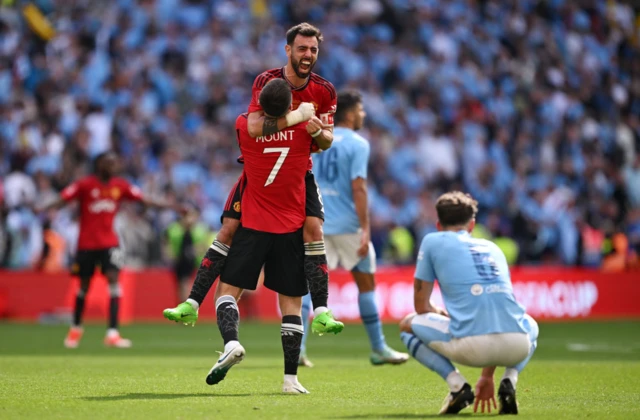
x=273, y=214
x=311, y=94
x=100, y=196
x=342, y=177
x=485, y=326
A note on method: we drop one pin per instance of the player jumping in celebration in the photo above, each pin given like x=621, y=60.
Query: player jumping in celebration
x=311, y=94
x=483, y=325
x=342, y=177
x=271, y=235
x=100, y=196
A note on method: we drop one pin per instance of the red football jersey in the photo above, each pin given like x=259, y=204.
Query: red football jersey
x=275, y=167
x=317, y=90
x=99, y=203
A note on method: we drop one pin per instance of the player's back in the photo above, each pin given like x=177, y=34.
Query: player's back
x=275, y=168
x=474, y=279
x=335, y=169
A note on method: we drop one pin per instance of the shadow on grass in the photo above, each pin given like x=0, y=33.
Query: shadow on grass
x=398, y=416
x=160, y=396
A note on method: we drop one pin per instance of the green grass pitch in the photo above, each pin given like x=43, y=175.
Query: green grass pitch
x=581, y=370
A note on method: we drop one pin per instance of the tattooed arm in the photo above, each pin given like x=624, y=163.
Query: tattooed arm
x=260, y=124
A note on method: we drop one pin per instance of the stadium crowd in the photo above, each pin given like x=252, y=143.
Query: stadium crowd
x=531, y=106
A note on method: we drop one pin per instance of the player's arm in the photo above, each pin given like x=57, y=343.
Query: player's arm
x=259, y=124
x=71, y=192
x=322, y=134
x=425, y=277
x=422, y=296
x=358, y=176
x=133, y=193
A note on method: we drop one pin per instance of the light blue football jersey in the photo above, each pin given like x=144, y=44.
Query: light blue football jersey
x=475, y=282
x=335, y=168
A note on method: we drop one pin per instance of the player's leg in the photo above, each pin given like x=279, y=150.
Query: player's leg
x=315, y=264
x=241, y=271
x=213, y=261
x=417, y=332
x=363, y=274
x=111, y=260
x=83, y=267
x=507, y=389
x=306, y=310
x=283, y=273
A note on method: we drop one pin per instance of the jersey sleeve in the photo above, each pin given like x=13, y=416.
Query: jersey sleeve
x=72, y=191
x=424, y=268
x=258, y=84
x=329, y=105
x=360, y=161
x=131, y=192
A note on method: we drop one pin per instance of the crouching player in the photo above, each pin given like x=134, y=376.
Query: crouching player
x=483, y=325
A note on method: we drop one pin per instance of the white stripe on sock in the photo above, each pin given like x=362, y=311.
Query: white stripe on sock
x=295, y=327
x=216, y=246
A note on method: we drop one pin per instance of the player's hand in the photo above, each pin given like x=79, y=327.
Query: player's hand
x=485, y=395
x=314, y=125
x=308, y=110
x=363, y=249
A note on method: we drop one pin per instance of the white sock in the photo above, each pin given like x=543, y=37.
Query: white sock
x=193, y=303
x=512, y=375
x=291, y=378
x=231, y=344
x=320, y=309
x=455, y=381
x=112, y=332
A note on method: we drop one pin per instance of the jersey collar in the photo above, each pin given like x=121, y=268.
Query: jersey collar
x=304, y=85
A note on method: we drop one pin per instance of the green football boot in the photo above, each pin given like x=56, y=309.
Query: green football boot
x=184, y=313
x=326, y=323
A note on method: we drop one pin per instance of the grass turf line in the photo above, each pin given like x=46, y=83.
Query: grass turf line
x=580, y=370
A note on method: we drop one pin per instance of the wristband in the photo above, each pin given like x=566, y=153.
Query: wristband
x=294, y=117
x=317, y=133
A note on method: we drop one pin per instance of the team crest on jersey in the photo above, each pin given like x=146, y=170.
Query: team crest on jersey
x=115, y=193
x=95, y=193
x=236, y=207
x=75, y=268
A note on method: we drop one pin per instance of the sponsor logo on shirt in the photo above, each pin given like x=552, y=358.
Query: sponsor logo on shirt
x=103, y=206
x=115, y=193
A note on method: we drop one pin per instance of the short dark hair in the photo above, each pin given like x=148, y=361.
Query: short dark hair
x=275, y=98
x=99, y=158
x=347, y=101
x=303, y=29
x=456, y=208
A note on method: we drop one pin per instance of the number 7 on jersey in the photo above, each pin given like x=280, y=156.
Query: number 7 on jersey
x=284, y=151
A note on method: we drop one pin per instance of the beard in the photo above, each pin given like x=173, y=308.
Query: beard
x=296, y=68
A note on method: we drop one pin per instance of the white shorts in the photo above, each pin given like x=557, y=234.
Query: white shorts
x=505, y=349
x=342, y=250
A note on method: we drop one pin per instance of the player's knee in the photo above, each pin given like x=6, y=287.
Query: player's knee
x=405, y=323
x=312, y=231
x=228, y=229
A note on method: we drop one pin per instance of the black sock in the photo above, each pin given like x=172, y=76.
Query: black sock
x=79, y=308
x=291, y=334
x=114, y=308
x=316, y=273
x=228, y=318
x=209, y=270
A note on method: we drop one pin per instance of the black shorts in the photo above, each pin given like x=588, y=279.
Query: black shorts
x=108, y=259
x=313, y=205
x=281, y=254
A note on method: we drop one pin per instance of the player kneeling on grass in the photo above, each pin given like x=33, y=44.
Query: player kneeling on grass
x=484, y=327
x=273, y=215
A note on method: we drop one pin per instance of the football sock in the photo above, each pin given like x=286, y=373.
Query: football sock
x=306, y=308
x=512, y=375
x=316, y=272
x=79, y=308
x=114, y=305
x=209, y=270
x=291, y=334
x=371, y=320
x=228, y=318
x=432, y=360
